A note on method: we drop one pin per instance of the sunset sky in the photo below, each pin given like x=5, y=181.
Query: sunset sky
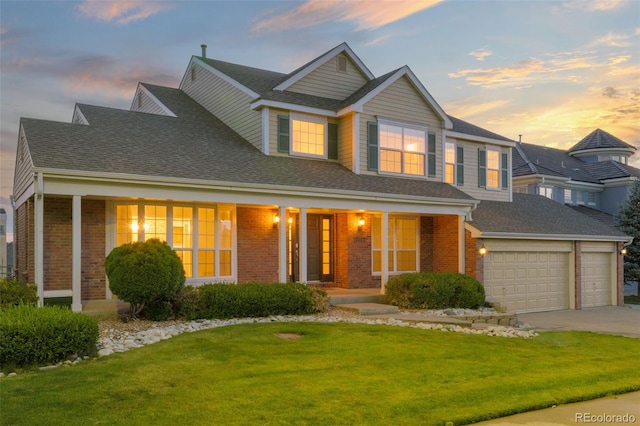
x=551, y=71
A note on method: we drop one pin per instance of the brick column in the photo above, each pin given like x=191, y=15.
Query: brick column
x=620, y=275
x=578, y=271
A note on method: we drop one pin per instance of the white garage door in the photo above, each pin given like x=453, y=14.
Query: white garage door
x=528, y=281
x=596, y=279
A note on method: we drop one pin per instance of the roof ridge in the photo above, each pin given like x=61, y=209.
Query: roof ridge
x=532, y=167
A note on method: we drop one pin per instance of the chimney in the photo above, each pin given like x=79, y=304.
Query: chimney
x=519, y=138
x=204, y=51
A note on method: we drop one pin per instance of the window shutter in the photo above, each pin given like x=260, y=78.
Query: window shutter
x=372, y=145
x=505, y=171
x=482, y=168
x=283, y=133
x=460, y=166
x=431, y=154
x=332, y=140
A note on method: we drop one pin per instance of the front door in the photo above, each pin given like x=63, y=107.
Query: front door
x=320, y=247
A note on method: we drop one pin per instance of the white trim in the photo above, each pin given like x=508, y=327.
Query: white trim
x=153, y=98
x=265, y=130
x=219, y=74
x=49, y=294
x=78, y=111
x=487, y=149
x=261, y=103
x=355, y=143
x=458, y=135
x=384, y=256
x=38, y=249
x=476, y=233
x=282, y=245
x=342, y=48
x=309, y=119
x=302, y=246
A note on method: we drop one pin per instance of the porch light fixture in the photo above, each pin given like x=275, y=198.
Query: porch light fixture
x=290, y=220
x=276, y=221
x=482, y=250
x=360, y=223
x=624, y=251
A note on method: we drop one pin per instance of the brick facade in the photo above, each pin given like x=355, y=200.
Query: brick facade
x=57, y=250
x=445, y=237
x=257, y=245
x=24, y=242
x=471, y=255
x=94, y=233
x=620, y=275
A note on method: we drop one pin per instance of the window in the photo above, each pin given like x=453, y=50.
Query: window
x=591, y=198
x=309, y=136
x=567, y=196
x=403, y=243
x=454, y=164
x=402, y=149
x=545, y=191
x=200, y=236
x=493, y=171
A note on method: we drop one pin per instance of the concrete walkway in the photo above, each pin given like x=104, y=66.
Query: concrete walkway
x=594, y=412
x=617, y=320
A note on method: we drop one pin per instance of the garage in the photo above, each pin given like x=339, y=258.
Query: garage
x=532, y=280
x=597, y=279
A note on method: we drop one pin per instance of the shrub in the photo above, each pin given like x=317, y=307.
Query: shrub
x=159, y=310
x=40, y=336
x=144, y=272
x=251, y=300
x=14, y=292
x=431, y=290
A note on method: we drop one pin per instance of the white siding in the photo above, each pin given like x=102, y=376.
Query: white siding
x=345, y=138
x=144, y=103
x=226, y=102
x=400, y=101
x=23, y=176
x=328, y=82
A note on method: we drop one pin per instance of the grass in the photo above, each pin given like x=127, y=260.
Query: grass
x=632, y=300
x=335, y=374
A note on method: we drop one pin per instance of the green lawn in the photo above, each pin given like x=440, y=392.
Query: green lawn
x=335, y=374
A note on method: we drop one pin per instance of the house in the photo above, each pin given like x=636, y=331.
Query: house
x=327, y=175
x=593, y=176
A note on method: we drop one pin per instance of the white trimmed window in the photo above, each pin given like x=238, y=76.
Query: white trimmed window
x=402, y=149
x=201, y=236
x=308, y=136
x=403, y=244
x=546, y=191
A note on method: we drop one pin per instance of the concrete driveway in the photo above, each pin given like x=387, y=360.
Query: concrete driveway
x=618, y=320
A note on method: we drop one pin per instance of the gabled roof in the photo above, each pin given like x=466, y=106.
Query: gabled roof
x=531, y=159
x=599, y=139
x=535, y=216
x=462, y=126
x=256, y=79
x=197, y=146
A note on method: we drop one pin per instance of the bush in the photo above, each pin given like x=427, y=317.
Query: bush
x=431, y=290
x=41, y=336
x=160, y=310
x=14, y=292
x=250, y=300
x=144, y=272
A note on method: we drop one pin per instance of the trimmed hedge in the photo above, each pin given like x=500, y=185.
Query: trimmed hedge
x=31, y=336
x=222, y=301
x=433, y=290
x=14, y=292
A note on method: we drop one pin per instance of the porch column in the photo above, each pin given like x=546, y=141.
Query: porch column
x=384, y=272
x=38, y=244
x=282, y=245
x=76, y=250
x=302, y=250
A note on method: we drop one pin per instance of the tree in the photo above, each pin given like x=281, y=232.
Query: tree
x=628, y=221
x=144, y=273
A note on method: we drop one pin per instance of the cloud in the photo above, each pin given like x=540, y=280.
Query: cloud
x=469, y=108
x=121, y=12
x=614, y=40
x=593, y=5
x=365, y=14
x=480, y=54
x=488, y=77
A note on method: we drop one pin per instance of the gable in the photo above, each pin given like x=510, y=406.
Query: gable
x=23, y=177
x=337, y=78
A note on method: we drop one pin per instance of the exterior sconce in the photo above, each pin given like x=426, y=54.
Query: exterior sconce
x=276, y=221
x=624, y=251
x=290, y=220
x=482, y=250
x=360, y=223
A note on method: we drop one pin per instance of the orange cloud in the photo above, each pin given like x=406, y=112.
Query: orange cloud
x=480, y=54
x=122, y=12
x=593, y=5
x=365, y=14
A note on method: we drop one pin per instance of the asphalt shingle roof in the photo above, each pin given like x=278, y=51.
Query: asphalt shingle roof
x=611, y=169
x=196, y=145
x=471, y=129
x=599, y=139
x=549, y=161
x=535, y=214
x=599, y=215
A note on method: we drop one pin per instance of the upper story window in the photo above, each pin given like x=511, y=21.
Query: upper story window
x=308, y=136
x=493, y=172
x=400, y=149
x=568, y=196
x=619, y=158
x=454, y=164
x=545, y=191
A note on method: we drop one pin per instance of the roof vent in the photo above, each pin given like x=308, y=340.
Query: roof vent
x=562, y=164
x=204, y=51
x=342, y=63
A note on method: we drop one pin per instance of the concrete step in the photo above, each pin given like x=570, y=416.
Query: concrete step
x=356, y=298
x=369, y=308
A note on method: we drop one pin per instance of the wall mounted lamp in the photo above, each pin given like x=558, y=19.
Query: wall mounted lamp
x=360, y=223
x=624, y=251
x=482, y=250
x=276, y=221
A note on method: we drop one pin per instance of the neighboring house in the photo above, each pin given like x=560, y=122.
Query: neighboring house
x=593, y=176
x=326, y=175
